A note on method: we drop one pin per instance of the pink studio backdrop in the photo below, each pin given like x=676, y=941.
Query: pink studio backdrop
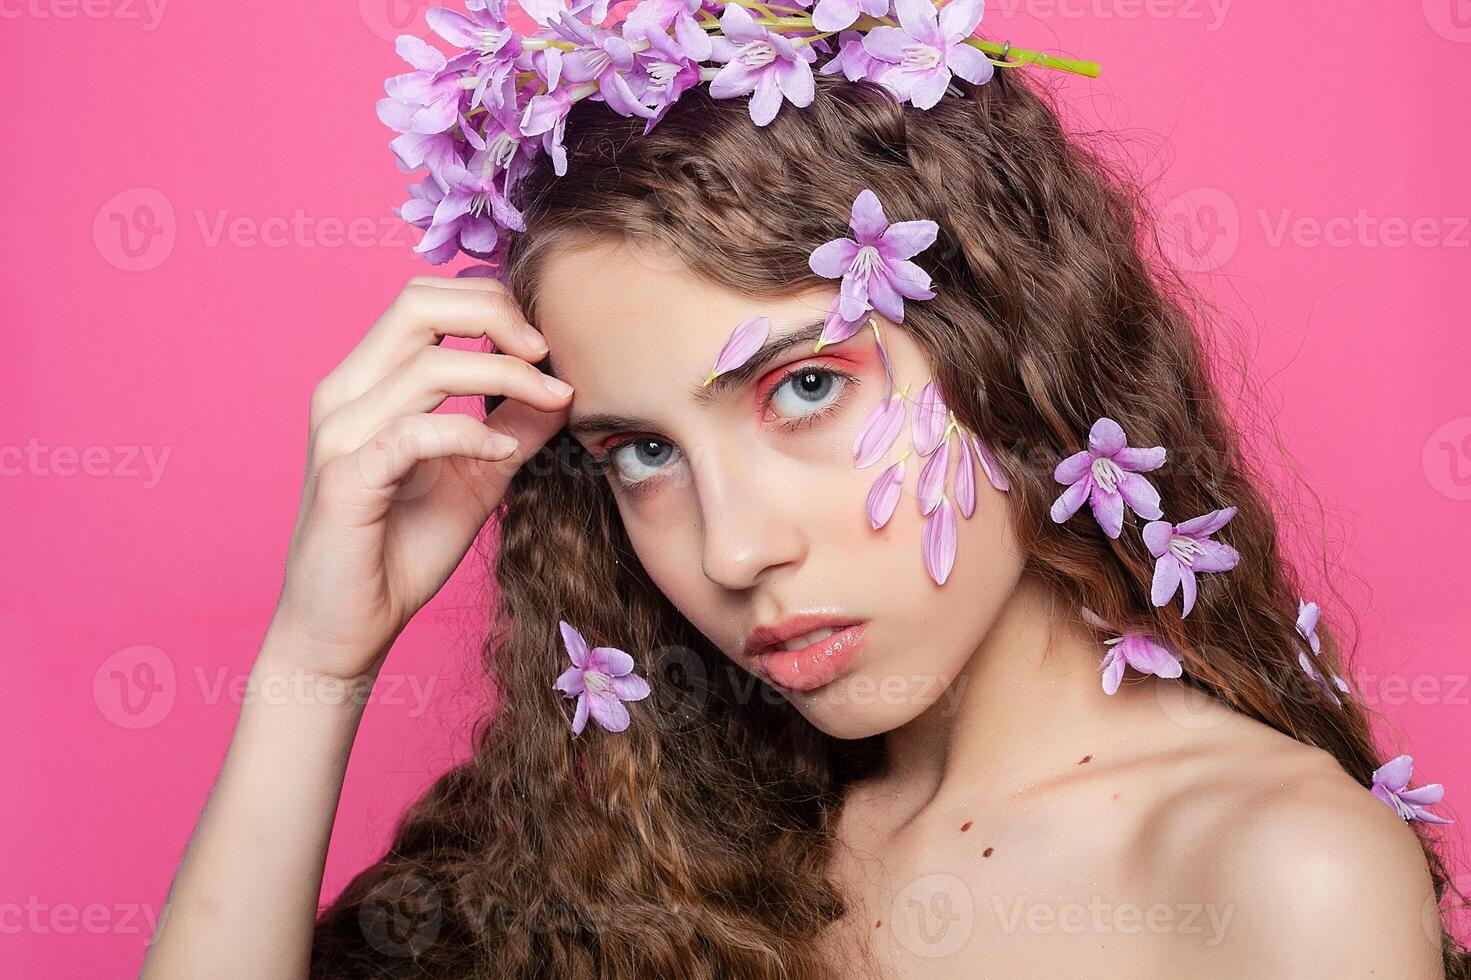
x=199, y=228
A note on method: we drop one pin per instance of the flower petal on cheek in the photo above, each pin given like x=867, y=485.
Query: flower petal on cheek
x=932, y=478
x=929, y=419
x=883, y=496
x=965, y=478
x=939, y=541
x=746, y=339
x=878, y=432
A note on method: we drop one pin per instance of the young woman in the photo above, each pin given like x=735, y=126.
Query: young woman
x=947, y=789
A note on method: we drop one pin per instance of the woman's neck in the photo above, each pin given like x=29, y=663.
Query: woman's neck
x=1025, y=708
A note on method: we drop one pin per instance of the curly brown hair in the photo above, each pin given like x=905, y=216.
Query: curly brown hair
x=694, y=845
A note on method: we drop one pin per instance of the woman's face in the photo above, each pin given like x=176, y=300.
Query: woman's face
x=743, y=502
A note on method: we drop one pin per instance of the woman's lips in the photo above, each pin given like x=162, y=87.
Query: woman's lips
x=816, y=664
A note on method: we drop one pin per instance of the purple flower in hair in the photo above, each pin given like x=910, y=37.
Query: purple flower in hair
x=834, y=15
x=1106, y=474
x=762, y=63
x=874, y=265
x=1307, y=625
x=1138, y=650
x=1183, y=550
x=927, y=47
x=854, y=61
x=427, y=99
x=601, y=679
x=1389, y=784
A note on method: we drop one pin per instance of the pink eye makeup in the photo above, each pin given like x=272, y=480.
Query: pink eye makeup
x=791, y=398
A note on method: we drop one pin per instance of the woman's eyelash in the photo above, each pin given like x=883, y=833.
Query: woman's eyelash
x=604, y=458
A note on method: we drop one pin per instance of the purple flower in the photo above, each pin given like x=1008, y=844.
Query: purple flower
x=1389, y=785
x=605, y=58
x=927, y=47
x=1138, y=650
x=762, y=62
x=1307, y=625
x=1183, y=550
x=600, y=679
x=745, y=340
x=484, y=31
x=875, y=268
x=854, y=61
x=834, y=15
x=426, y=100
x=671, y=64
x=1106, y=475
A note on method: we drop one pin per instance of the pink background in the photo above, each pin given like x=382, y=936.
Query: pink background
x=129, y=595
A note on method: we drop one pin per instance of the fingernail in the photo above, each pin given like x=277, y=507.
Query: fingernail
x=533, y=337
x=556, y=385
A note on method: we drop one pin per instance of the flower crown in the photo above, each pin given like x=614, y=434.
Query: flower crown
x=478, y=119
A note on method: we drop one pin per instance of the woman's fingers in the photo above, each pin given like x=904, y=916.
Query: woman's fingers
x=366, y=480
x=428, y=309
x=422, y=384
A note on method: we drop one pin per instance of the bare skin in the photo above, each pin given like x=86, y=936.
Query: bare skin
x=393, y=498
x=1191, y=839
x=1159, y=834
x=995, y=711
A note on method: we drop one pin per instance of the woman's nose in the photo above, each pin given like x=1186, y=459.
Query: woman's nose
x=749, y=523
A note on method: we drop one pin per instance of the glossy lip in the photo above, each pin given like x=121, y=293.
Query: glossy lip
x=764, y=638
x=816, y=664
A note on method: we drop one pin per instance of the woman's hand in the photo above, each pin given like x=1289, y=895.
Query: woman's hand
x=395, y=493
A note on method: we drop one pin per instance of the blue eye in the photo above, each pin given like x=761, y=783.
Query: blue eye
x=807, y=391
x=636, y=460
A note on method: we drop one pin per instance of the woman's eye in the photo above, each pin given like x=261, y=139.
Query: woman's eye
x=806, y=391
x=637, y=460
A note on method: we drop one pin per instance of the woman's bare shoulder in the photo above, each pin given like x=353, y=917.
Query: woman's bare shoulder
x=1313, y=874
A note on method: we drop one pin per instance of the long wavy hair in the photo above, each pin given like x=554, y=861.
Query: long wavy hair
x=695, y=844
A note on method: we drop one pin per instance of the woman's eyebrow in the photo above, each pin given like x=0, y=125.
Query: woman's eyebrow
x=775, y=347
